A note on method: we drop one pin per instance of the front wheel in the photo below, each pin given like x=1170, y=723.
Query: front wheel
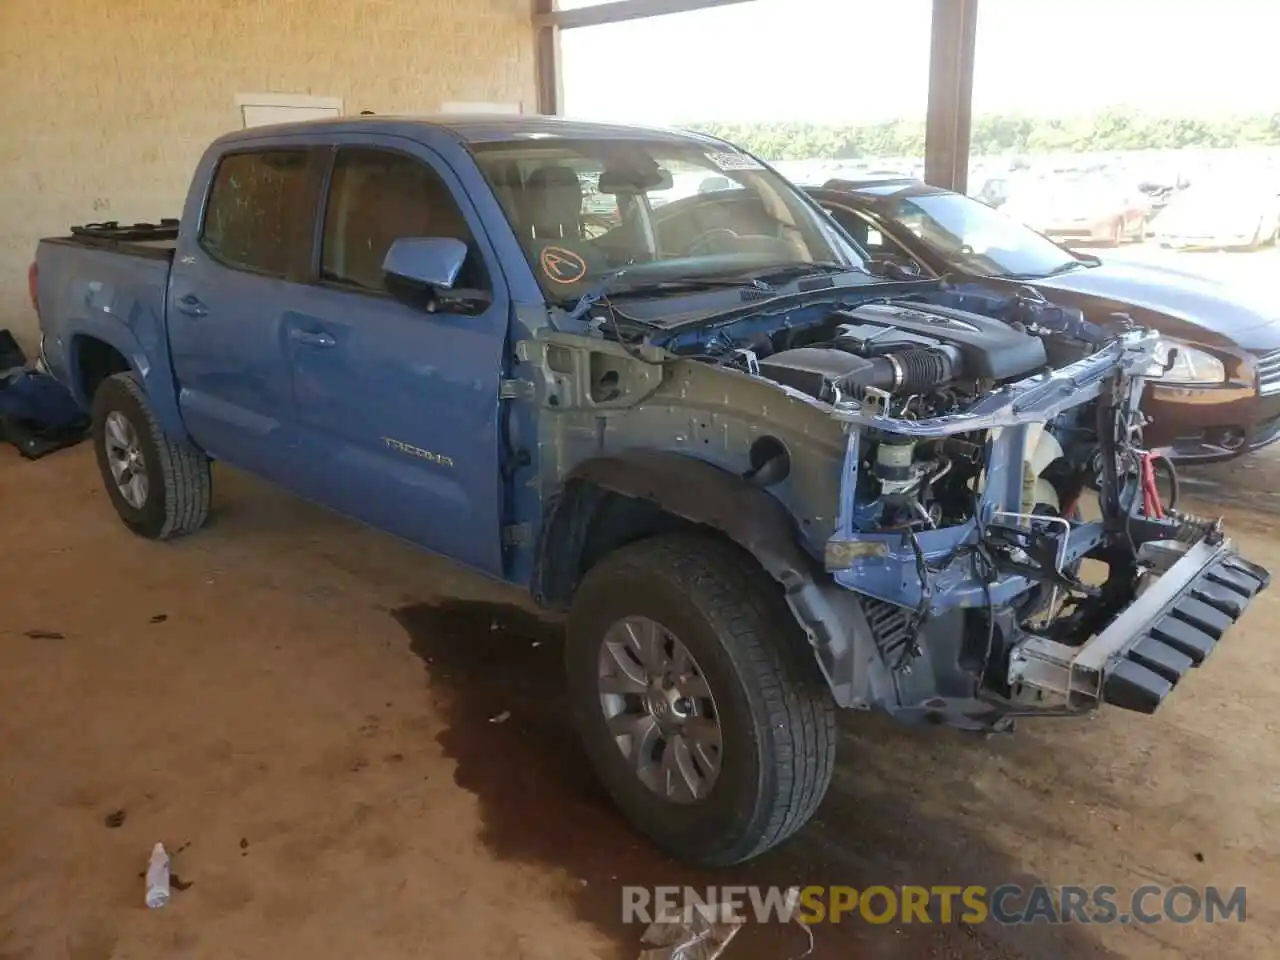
x=160, y=489
x=697, y=700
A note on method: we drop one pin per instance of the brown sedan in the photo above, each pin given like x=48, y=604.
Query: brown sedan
x=1220, y=394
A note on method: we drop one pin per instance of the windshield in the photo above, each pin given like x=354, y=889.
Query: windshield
x=972, y=237
x=666, y=210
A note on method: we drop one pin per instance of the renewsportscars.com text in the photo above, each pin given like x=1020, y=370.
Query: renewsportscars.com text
x=1009, y=904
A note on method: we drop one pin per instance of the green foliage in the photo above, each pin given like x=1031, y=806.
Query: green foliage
x=1116, y=128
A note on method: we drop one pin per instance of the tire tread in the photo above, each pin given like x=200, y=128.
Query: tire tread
x=188, y=481
x=778, y=669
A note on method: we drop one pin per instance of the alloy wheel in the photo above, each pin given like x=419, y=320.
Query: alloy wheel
x=659, y=709
x=124, y=456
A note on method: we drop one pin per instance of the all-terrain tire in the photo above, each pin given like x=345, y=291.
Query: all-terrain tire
x=776, y=713
x=179, y=481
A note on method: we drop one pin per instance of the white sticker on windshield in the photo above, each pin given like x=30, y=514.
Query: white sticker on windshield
x=735, y=161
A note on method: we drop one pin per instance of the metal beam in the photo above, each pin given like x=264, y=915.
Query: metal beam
x=618, y=11
x=546, y=58
x=950, y=117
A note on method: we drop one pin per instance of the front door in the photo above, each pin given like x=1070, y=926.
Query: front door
x=397, y=407
x=226, y=309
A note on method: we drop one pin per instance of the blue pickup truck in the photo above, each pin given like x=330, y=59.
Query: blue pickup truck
x=644, y=376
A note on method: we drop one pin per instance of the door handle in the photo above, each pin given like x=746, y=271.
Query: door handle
x=191, y=306
x=313, y=338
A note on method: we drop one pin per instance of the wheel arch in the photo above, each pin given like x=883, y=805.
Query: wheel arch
x=97, y=354
x=608, y=502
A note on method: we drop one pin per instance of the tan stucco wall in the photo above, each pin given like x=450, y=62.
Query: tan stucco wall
x=106, y=105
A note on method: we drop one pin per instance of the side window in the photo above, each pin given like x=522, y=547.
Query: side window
x=377, y=197
x=857, y=227
x=870, y=237
x=255, y=201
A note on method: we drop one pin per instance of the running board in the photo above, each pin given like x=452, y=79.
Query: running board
x=1139, y=658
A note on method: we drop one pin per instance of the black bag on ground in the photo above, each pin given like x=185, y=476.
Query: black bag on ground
x=10, y=353
x=38, y=415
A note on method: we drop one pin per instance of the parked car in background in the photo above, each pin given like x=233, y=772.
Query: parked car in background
x=1225, y=215
x=1219, y=397
x=1087, y=209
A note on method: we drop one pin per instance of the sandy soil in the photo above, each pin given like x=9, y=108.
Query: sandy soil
x=302, y=708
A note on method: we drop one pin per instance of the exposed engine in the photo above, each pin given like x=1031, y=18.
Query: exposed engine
x=920, y=361
x=968, y=454
x=907, y=351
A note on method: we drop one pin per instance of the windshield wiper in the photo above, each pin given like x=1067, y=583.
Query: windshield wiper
x=787, y=271
x=691, y=283
x=610, y=285
x=1057, y=271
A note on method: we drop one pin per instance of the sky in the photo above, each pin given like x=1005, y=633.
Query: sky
x=858, y=60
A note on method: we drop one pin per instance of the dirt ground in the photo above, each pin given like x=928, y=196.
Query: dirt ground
x=304, y=710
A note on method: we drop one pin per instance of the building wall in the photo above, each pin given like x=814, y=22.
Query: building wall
x=106, y=105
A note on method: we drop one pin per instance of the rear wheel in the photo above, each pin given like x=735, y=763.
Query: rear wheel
x=697, y=700
x=160, y=489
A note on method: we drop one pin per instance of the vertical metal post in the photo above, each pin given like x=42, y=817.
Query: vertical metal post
x=950, y=116
x=546, y=54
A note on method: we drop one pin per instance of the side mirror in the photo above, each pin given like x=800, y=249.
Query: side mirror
x=433, y=262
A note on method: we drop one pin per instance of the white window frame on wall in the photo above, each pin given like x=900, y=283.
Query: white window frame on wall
x=285, y=101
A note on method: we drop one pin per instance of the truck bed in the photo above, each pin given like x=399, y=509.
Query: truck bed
x=106, y=282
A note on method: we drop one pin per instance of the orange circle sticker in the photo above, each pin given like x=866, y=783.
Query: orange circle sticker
x=561, y=265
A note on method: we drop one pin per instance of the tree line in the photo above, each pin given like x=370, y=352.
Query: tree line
x=1112, y=129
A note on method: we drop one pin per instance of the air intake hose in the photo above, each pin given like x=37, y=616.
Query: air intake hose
x=903, y=372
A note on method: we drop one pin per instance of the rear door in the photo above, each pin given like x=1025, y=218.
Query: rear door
x=398, y=407
x=233, y=279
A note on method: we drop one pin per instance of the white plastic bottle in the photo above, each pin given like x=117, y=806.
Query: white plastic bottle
x=158, y=878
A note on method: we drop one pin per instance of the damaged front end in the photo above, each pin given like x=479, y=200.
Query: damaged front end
x=986, y=593
x=955, y=498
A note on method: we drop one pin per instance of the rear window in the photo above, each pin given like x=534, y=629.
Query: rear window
x=255, y=201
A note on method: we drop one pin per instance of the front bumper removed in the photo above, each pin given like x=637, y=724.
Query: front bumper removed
x=1139, y=658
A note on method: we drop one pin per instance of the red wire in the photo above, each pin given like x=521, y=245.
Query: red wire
x=1150, y=492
